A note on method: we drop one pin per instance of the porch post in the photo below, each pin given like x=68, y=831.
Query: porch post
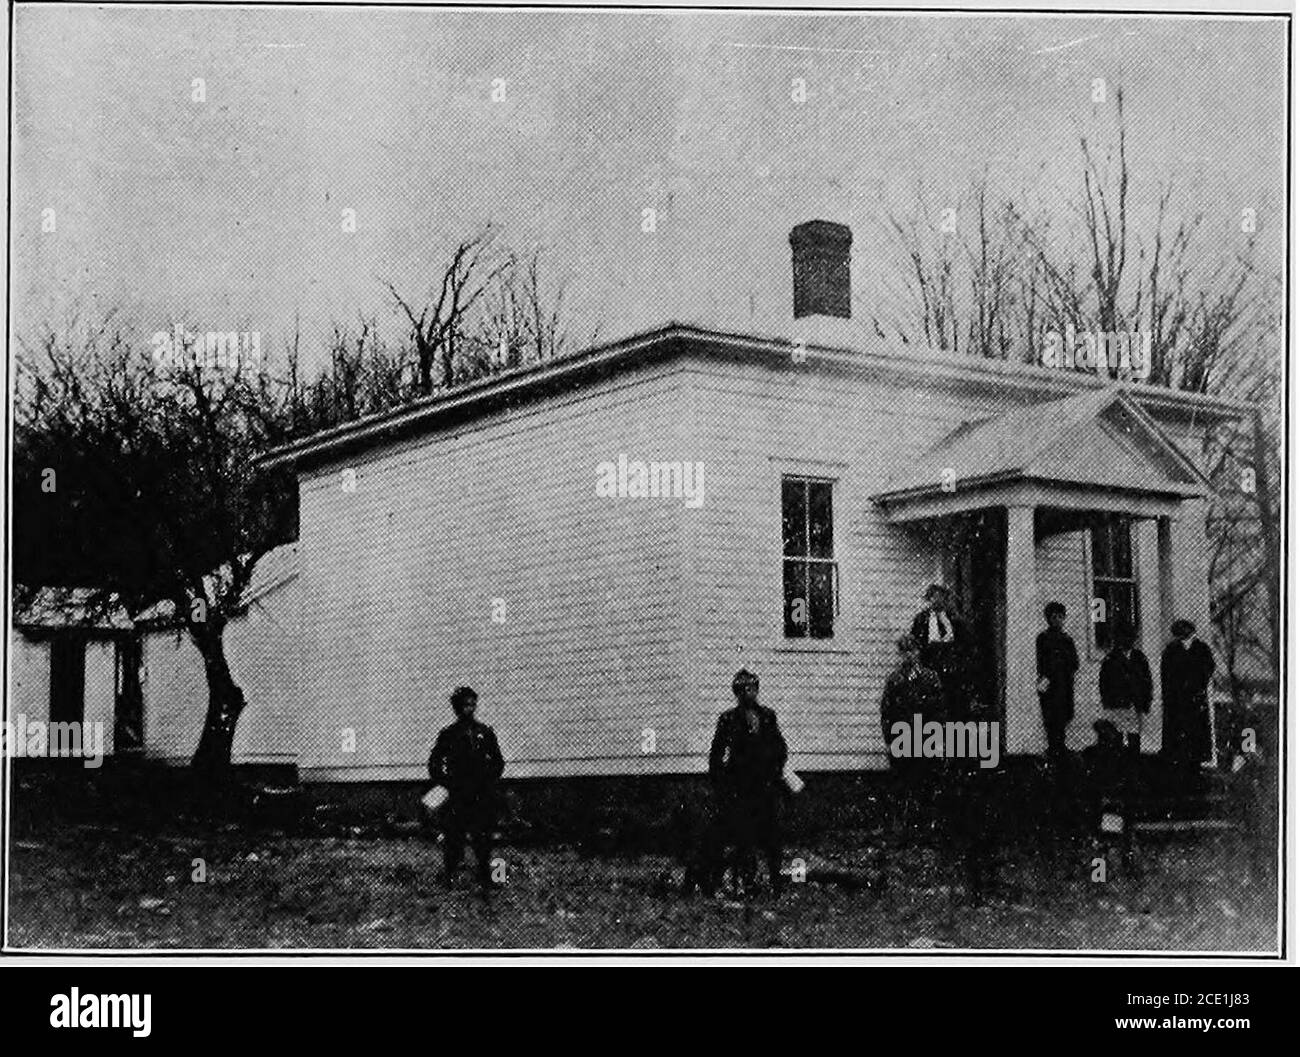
x=1024, y=723
x=1165, y=563
x=1153, y=559
x=1189, y=567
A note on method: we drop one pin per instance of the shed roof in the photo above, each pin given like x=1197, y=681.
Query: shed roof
x=54, y=608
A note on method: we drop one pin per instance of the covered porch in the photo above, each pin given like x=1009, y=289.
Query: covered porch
x=1013, y=507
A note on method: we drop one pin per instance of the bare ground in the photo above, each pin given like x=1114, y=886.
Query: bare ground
x=109, y=885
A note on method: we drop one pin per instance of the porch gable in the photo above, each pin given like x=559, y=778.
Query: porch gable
x=1099, y=450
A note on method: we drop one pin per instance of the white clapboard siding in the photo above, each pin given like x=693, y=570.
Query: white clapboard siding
x=263, y=649
x=29, y=677
x=400, y=579
x=624, y=620
x=754, y=424
x=100, y=703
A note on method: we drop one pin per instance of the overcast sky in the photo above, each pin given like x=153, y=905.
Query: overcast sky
x=227, y=213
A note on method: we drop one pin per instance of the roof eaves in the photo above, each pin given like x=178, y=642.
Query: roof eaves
x=382, y=427
x=379, y=427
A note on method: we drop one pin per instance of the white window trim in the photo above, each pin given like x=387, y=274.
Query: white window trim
x=1095, y=652
x=837, y=474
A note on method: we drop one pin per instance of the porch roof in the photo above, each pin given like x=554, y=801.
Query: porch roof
x=1101, y=441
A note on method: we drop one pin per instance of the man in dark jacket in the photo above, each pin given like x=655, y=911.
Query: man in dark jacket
x=466, y=761
x=1186, y=667
x=1057, y=663
x=746, y=763
x=941, y=636
x=1124, y=685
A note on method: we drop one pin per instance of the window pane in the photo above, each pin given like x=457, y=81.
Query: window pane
x=1121, y=608
x=1125, y=601
x=1101, y=628
x=821, y=597
x=794, y=516
x=820, y=530
x=1123, y=551
x=796, y=599
x=1101, y=550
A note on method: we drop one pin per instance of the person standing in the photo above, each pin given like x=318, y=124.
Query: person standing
x=1058, y=661
x=1124, y=685
x=746, y=762
x=911, y=690
x=941, y=636
x=1186, y=667
x=467, y=762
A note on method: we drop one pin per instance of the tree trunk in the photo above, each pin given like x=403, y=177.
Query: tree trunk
x=225, y=703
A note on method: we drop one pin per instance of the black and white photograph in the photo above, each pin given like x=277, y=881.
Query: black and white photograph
x=647, y=480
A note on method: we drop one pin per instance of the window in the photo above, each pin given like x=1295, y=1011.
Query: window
x=810, y=573
x=1113, y=580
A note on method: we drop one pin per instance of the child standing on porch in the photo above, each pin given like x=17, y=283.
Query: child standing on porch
x=1125, y=686
x=1058, y=661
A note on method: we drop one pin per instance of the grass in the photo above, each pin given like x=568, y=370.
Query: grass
x=94, y=868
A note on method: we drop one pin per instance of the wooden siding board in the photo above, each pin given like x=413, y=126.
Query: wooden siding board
x=400, y=578
x=628, y=615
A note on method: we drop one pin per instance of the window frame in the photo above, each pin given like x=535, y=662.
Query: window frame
x=1132, y=580
x=812, y=473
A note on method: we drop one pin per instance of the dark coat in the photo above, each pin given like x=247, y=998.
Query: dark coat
x=1058, y=660
x=1125, y=682
x=1185, y=673
x=909, y=691
x=748, y=753
x=467, y=760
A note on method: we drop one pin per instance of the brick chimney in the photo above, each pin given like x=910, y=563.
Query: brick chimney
x=820, y=256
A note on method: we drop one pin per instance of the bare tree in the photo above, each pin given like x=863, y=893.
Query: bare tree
x=151, y=459
x=520, y=320
x=439, y=321
x=962, y=267
x=1005, y=278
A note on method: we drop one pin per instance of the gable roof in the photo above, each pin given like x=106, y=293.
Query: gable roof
x=827, y=346
x=1102, y=439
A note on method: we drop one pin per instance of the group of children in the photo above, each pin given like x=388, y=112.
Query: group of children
x=747, y=759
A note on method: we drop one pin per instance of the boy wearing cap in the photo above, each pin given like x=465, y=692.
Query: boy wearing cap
x=1058, y=661
x=466, y=761
x=1124, y=685
x=745, y=766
